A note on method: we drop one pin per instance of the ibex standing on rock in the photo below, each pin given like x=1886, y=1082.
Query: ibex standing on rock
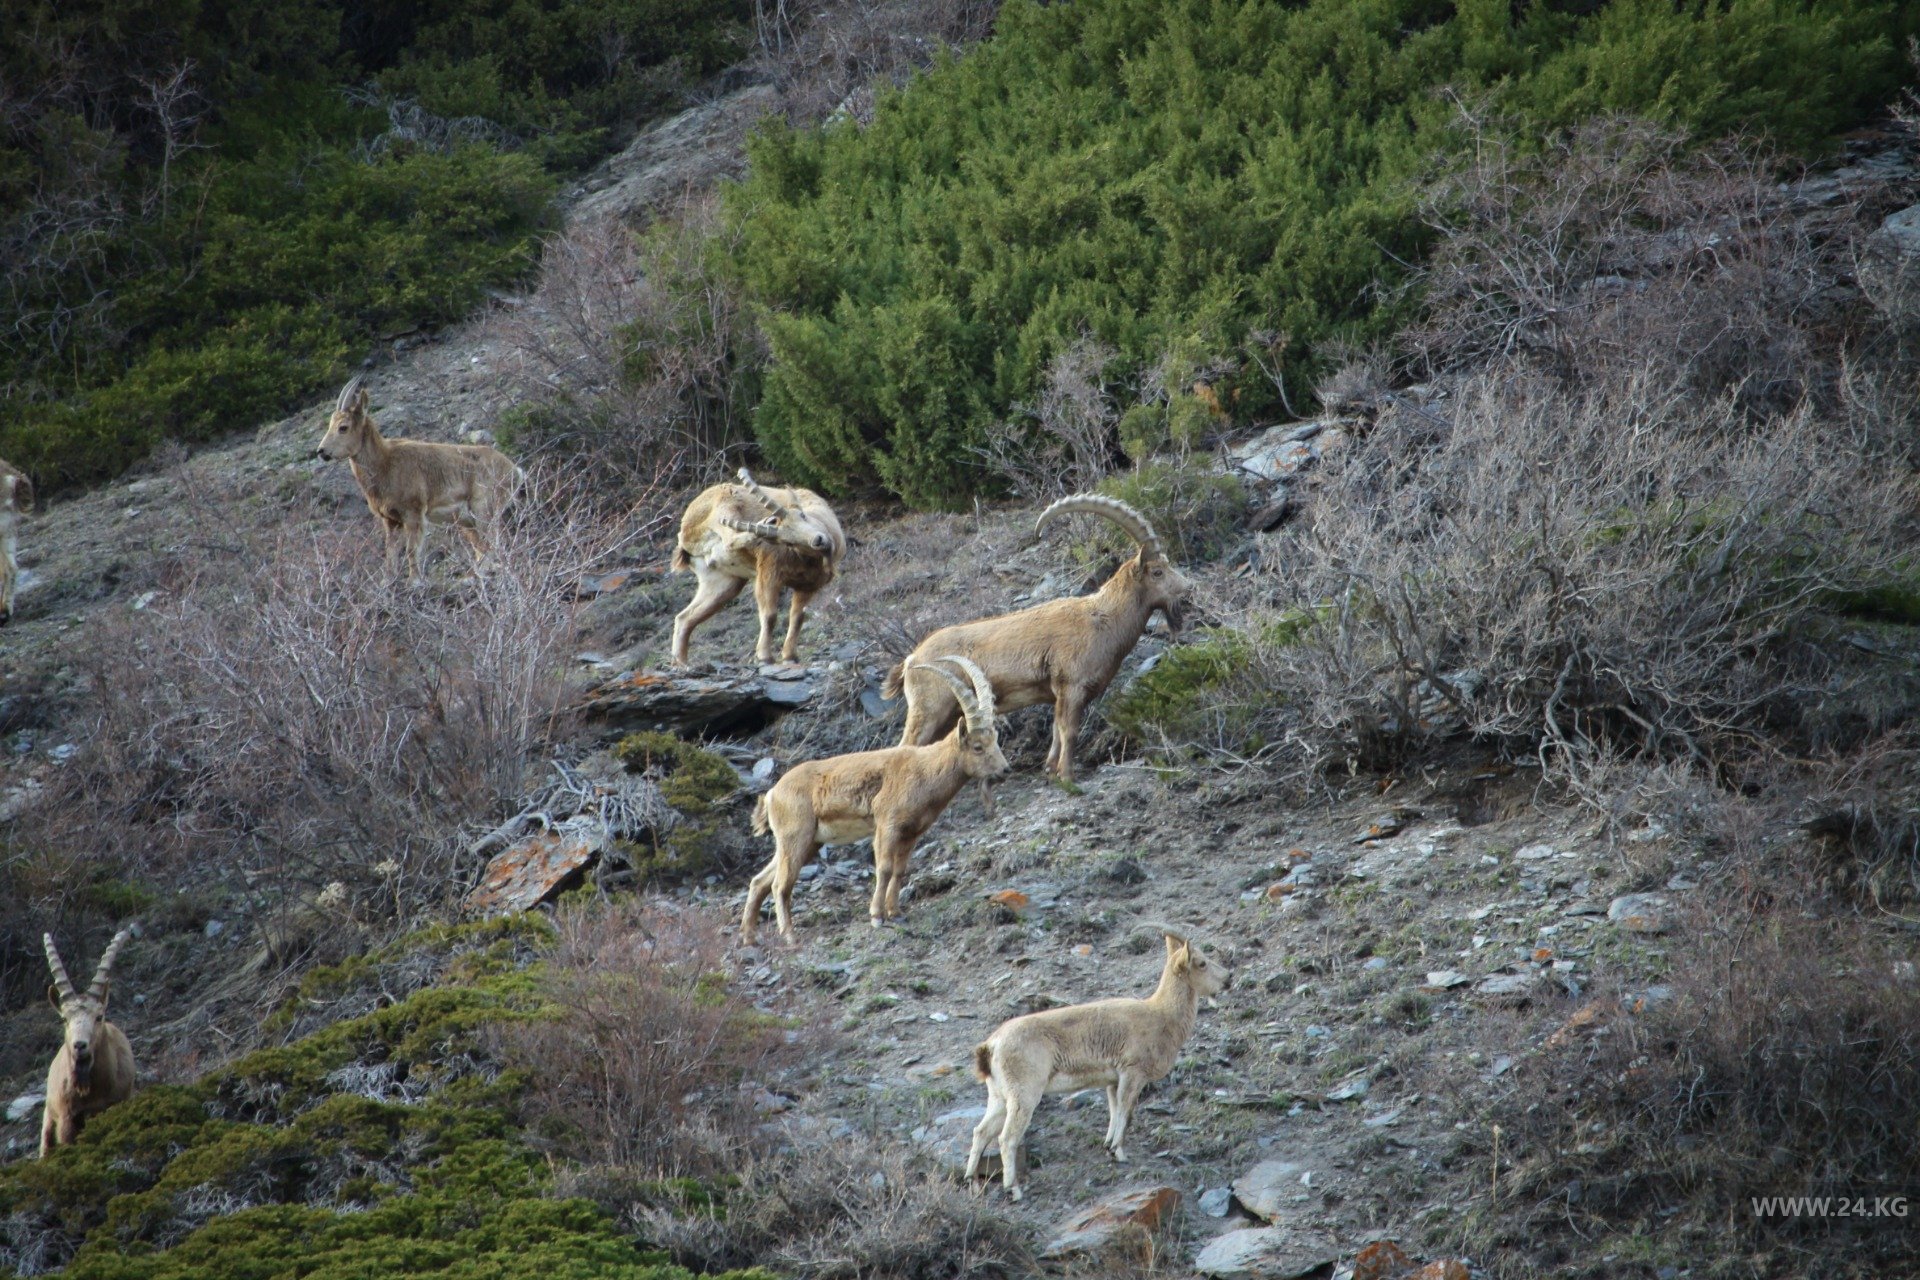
x=777, y=539
x=1064, y=651
x=16, y=500
x=411, y=484
x=94, y=1068
x=893, y=795
x=1123, y=1045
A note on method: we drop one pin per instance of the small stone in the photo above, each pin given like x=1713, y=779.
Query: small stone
x=1506, y=986
x=215, y=928
x=763, y=769
x=1216, y=1203
x=1533, y=853
x=1449, y=1269
x=1350, y=1090
x=1266, y=1189
x=1640, y=912
x=1123, y=1222
x=1375, y=963
x=1084, y=949
x=24, y=1105
x=1012, y=899
x=1442, y=979
x=1263, y=1253
x=939, y=1017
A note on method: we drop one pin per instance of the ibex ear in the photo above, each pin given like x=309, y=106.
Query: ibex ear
x=53, y=997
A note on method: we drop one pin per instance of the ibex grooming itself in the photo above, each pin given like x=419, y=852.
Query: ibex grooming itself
x=777, y=539
x=94, y=1068
x=893, y=795
x=16, y=500
x=1064, y=651
x=1123, y=1044
x=413, y=483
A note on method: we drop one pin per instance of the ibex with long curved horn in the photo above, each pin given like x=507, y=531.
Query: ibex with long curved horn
x=1064, y=651
x=94, y=1068
x=777, y=539
x=411, y=484
x=893, y=795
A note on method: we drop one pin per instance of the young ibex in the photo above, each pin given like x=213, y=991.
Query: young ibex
x=1123, y=1044
x=411, y=484
x=1065, y=651
x=16, y=500
x=777, y=539
x=893, y=795
x=94, y=1068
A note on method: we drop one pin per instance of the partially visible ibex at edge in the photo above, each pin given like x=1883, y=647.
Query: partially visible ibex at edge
x=410, y=484
x=777, y=539
x=16, y=499
x=893, y=794
x=1064, y=651
x=94, y=1068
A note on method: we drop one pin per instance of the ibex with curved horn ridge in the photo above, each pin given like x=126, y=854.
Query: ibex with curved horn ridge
x=16, y=500
x=94, y=1068
x=1064, y=651
x=411, y=484
x=893, y=794
x=777, y=539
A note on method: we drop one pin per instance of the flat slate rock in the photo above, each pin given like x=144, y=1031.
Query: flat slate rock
x=694, y=706
x=1268, y=1188
x=1265, y=1253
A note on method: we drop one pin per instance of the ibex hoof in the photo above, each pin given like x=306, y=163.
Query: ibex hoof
x=1016, y=1193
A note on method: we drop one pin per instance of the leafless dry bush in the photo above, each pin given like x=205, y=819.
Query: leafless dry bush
x=642, y=1056
x=1785, y=1062
x=1065, y=441
x=1618, y=253
x=1656, y=473
x=827, y=58
x=286, y=716
x=624, y=358
x=844, y=1210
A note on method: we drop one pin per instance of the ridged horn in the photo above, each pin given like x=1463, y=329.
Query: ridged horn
x=61, y=982
x=752, y=486
x=962, y=694
x=98, y=986
x=347, y=393
x=762, y=530
x=982, y=692
x=1130, y=522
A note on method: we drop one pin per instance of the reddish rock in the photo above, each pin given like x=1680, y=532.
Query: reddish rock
x=1381, y=1260
x=534, y=870
x=1450, y=1269
x=1012, y=899
x=1120, y=1223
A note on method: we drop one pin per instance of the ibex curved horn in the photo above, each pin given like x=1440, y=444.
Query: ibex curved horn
x=765, y=529
x=348, y=392
x=61, y=982
x=98, y=986
x=1130, y=522
x=766, y=499
x=962, y=694
x=981, y=717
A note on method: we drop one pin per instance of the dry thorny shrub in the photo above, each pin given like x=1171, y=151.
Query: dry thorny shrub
x=842, y=1209
x=832, y=57
x=1065, y=441
x=1783, y=1060
x=287, y=716
x=1621, y=529
x=624, y=358
x=647, y=1059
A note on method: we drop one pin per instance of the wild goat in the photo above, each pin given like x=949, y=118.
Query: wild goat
x=1123, y=1044
x=777, y=539
x=1064, y=651
x=411, y=484
x=893, y=795
x=16, y=500
x=94, y=1068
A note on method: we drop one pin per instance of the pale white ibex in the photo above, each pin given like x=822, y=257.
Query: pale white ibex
x=1064, y=651
x=411, y=484
x=1122, y=1045
x=94, y=1068
x=16, y=500
x=893, y=795
x=777, y=539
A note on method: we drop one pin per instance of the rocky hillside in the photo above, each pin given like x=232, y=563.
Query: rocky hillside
x=1492, y=1014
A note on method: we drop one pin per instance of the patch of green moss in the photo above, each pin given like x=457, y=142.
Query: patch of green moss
x=282, y=1165
x=691, y=778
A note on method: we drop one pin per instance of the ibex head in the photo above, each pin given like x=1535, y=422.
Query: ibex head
x=16, y=494
x=1149, y=574
x=979, y=731
x=784, y=525
x=83, y=1014
x=348, y=423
